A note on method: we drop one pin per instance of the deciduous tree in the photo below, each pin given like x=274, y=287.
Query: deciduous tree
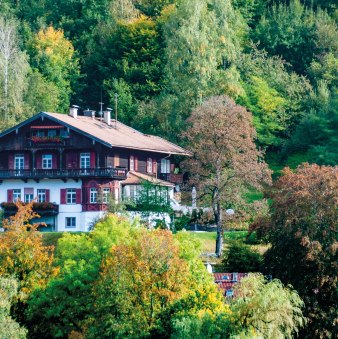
x=53, y=55
x=13, y=68
x=22, y=254
x=138, y=282
x=225, y=160
x=302, y=233
x=266, y=309
x=9, y=328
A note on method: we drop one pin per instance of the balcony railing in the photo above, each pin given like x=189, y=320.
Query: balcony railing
x=172, y=177
x=41, y=208
x=47, y=142
x=114, y=173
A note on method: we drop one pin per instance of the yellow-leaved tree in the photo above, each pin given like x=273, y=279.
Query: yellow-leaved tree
x=54, y=56
x=22, y=253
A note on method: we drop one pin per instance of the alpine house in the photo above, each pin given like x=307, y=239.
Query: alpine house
x=72, y=164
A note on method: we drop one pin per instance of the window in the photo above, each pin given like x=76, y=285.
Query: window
x=19, y=162
x=105, y=195
x=93, y=195
x=131, y=163
x=41, y=195
x=28, y=194
x=29, y=197
x=149, y=165
x=165, y=166
x=64, y=133
x=71, y=196
x=85, y=160
x=70, y=222
x=16, y=195
x=51, y=133
x=40, y=133
x=47, y=161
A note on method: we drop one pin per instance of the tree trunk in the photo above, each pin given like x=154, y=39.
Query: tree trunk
x=219, y=223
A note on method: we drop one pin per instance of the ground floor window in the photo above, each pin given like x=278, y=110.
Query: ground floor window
x=16, y=195
x=70, y=222
x=29, y=197
x=41, y=195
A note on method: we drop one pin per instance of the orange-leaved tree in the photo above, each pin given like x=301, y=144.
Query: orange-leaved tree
x=22, y=253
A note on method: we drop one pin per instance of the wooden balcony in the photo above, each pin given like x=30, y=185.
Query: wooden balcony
x=65, y=173
x=48, y=142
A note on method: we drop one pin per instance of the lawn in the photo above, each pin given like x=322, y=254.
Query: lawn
x=208, y=240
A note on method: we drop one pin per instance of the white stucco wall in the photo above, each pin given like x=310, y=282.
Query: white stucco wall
x=83, y=219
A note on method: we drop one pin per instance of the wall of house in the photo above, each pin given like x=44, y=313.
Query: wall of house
x=83, y=219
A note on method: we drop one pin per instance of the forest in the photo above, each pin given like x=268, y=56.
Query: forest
x=163, y=58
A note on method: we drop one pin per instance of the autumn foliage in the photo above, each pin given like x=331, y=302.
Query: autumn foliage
x=144, y=277
x=22, y=254
x=225, y=159
x=302, y=232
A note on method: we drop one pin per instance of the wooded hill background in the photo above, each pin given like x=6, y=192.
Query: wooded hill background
x=164, y=57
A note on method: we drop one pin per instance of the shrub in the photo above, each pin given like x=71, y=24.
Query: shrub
x=238, y=257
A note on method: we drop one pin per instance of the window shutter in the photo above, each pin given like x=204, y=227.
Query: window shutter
x=54, y=161
x=92, y=159
x=47, y=195
x=131, y=163
x=88, y=195
x=149, y=165
x=116, y=160
x=136, y=164
x=9, y=195
x=39, y=161
x=63, y=193
x=11, y=161
x=78, y=196
x=154, y=166
x=26, y=166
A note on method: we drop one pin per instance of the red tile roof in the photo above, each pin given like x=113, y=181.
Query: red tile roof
x=226, y=282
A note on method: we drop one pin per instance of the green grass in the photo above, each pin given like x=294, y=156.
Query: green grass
x=208, y=240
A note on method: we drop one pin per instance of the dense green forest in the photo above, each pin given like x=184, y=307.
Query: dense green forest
x=163, y=58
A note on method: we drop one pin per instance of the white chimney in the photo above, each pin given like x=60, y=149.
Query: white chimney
x=73, y=111
x=107, y=117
